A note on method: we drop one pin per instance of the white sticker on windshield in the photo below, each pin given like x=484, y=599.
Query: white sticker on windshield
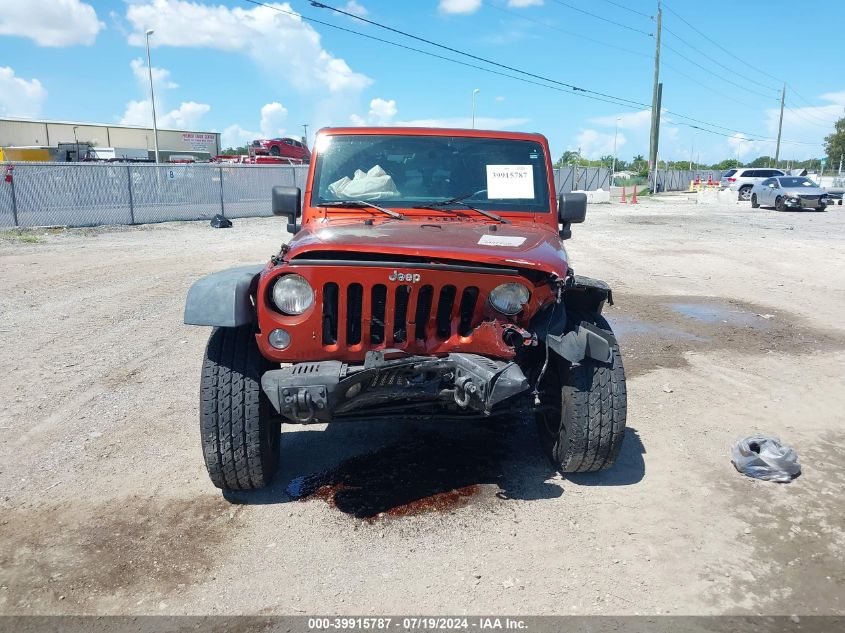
x=510, y=181
x=501, y=240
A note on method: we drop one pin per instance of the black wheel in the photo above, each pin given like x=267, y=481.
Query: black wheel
x=745, y=193
x=754, y=203
x=820, y=209
x=582, y=423
x=239, y=428
x=779, y=205
x=275, y=151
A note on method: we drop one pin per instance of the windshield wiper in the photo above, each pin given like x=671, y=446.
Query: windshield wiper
x=340, y=204
x=460, y=200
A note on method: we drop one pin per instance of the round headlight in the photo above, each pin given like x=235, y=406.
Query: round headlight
x=292, y=294
x=279, y=339
x=509, y=298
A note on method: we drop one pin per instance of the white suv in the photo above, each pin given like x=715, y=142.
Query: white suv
x=743, y=178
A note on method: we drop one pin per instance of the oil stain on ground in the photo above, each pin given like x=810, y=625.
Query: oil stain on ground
x=430, y=471
x=656, y=331
x=72, y=555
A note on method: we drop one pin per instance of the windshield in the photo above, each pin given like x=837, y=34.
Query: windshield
x=410, y=171
x=796, y=182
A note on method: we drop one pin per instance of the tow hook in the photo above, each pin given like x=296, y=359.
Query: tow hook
x=514, y=335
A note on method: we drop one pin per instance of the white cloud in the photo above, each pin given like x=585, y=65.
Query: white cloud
x=742, y=148
x=355, y=8
x=627, y=120
x=161, y=76
x=484, y=123
x=188, y=115
x=382, y=111
x=500, y=98
x=459, y=6
x=20, y=97
x=50, y=22
x=595, y=144
x=518, y=4
x=273, y=116
x=279, y=42
x=236, y=136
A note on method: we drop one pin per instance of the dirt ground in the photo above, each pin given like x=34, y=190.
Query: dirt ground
x=730, y=321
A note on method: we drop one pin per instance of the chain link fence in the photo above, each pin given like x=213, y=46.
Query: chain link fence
x=85, y=194
x=679, y=180
x=581, y=178
x=80, y=194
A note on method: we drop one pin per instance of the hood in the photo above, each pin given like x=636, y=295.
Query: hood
x=520, y=245
x=803, y=191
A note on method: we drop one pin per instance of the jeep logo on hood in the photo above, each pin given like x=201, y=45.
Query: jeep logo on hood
x=397, y=276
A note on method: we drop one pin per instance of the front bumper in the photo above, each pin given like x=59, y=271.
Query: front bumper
x=805, y=203
x=322, y=391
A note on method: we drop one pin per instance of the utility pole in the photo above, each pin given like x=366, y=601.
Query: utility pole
x=305, y=133
x=655, y=97
x=780, y=124
x=691, y=150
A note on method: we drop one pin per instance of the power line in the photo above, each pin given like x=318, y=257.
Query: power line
x=320, y=5
x=622, y=6
x=575, y=90
x=580, y=92
x=719, y=46
x=602, y=18
x=560, y=30
x=715, y=74
x=696, y=81
x=715, y=61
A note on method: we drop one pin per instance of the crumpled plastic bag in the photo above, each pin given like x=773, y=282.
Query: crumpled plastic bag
x=375, y=184
x=764, y=457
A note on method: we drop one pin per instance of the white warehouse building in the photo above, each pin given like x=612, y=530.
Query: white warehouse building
x=16, y=132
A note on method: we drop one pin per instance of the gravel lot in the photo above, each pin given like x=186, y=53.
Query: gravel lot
x=730, y=321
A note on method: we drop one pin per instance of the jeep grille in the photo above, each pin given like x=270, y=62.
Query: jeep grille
x=434, y=312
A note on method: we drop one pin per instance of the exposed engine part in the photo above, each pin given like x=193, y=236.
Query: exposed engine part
x=316, y=391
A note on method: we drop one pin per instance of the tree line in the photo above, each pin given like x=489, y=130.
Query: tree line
x=834, y=147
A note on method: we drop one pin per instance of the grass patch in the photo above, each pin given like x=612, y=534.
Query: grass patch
x=21, y=236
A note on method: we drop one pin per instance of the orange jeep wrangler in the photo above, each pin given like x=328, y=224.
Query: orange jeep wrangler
x=426, y=277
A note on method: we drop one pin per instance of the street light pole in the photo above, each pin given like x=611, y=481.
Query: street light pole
x=473, y=107
x=152, y=93
x=615, y=134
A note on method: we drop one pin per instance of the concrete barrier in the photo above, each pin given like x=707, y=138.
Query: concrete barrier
x=598, y=196
x=717, y=196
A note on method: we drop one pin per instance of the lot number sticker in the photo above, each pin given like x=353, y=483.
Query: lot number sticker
x=510, y=181
x=501, y=240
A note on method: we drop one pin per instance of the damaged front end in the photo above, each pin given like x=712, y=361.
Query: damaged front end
x=390, y=381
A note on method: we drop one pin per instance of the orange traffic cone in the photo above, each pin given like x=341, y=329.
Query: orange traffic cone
x=622, y=199
x=634, y=195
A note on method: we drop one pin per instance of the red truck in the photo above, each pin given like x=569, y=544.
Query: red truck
x=284, y=147
x=426, y=277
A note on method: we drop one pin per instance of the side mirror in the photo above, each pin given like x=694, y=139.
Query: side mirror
x=287, y=201
x=571, y=209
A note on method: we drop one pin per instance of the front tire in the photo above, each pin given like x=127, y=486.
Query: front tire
x=275, y=151
x=820, y=209
x=754, y=203
x=779, y=205
x=240, y=433
x=583, y=428
x=745, y=193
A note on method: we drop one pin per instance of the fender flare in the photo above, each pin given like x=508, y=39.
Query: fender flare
x=582, y=340
x=223, y=299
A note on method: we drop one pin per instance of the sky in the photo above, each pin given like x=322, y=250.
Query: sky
x=250, y=71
